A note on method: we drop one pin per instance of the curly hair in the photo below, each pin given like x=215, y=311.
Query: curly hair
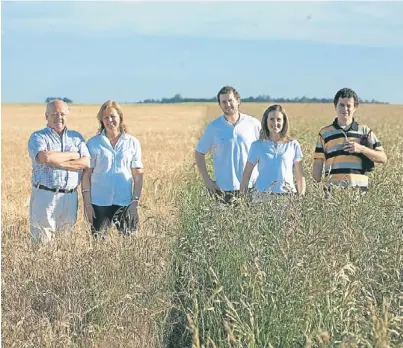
x=346, y=93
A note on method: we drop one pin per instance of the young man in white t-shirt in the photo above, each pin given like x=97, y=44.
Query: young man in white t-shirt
x=229, y=137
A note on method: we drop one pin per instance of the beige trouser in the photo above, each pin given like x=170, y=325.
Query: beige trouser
x=51, y=212
x=279, y=202
x=261, y=197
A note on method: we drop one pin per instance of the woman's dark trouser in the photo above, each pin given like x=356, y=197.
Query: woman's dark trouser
x=116, y=215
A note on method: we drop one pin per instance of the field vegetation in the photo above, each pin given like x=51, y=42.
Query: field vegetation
x=324, y=272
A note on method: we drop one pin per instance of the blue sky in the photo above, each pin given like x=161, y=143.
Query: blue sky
x=94, y=51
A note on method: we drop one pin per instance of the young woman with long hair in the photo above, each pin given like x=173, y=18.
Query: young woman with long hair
x=277, y=156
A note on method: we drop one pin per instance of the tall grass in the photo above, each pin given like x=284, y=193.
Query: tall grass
x=327, y=270
x=76, y=292
x=324, y=272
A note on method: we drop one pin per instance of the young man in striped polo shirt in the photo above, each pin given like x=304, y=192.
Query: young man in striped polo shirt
x=340, y=146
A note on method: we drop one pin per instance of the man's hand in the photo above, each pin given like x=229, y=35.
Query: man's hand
x=211, y=186
x=317, y=169
x=375, y=155
x=89, y=213
x=77, y=164
x=243, y=191
x=201, y=166
x=353, y=148
x=76, y=155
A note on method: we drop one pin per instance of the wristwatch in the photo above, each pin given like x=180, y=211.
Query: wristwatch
x=136, y=199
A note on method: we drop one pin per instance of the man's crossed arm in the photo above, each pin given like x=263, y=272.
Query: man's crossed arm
x=63, y=160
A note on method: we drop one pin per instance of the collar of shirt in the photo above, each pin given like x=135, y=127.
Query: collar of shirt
x=122, y=137
x=353, y=126
x=51, y=130
x=240, y=119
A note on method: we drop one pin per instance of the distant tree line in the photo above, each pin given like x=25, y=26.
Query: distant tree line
x=177, y=98
x=66, y=100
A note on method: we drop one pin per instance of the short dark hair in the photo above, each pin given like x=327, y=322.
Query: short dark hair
x=346, y=93
x=227, y=90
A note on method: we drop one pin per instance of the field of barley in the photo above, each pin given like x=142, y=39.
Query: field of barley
x=327, y=272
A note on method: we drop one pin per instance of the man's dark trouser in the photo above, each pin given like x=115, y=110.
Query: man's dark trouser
x=227, y=197
x=117, y=215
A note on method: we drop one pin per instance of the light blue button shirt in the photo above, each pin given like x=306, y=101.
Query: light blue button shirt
x=275, y=162
x=48, y=139
x=111, y=179
x=230, y=145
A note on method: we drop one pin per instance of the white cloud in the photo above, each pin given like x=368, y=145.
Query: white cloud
x=362, y=23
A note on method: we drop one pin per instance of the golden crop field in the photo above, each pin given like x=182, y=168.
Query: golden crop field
x=123, y=292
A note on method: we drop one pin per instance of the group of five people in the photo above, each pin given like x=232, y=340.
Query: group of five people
x=248, y=156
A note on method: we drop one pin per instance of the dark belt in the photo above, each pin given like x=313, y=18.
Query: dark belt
x=56, y=190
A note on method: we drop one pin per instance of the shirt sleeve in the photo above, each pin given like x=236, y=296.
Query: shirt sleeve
x=253, y=155
x=136, y=161
x=92, y=153
x=258, y=129
x=374, y=141
x=36, y=144
x=82, y=147
x=206, y=141
x=298, y=152
x=319, y=149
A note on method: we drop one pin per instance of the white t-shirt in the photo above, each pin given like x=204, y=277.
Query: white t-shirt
x=275, y=163
x=230, y=145
x=111, y=179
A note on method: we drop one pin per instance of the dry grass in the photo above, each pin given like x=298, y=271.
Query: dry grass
x=323, y=273
x=77, y=293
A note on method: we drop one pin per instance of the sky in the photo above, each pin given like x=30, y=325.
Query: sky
x=92, y=51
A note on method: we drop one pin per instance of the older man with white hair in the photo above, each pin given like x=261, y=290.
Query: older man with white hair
x=58, y=157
